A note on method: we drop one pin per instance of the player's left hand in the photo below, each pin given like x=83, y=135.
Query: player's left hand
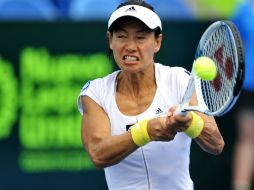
x=178, y=122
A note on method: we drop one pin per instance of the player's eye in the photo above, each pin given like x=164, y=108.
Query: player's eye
x=141, y=37
x=121, y=36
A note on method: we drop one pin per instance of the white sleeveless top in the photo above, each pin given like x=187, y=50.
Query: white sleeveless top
x=157, y=165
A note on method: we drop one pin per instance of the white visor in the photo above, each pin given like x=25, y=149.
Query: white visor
x=147, y=16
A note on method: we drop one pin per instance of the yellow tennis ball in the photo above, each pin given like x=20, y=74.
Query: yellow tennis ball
x=205, y=68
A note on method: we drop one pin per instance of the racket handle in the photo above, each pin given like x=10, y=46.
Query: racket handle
x=179, y=111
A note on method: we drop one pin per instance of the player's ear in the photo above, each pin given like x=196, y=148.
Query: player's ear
x=109, y=39
x=158, y=41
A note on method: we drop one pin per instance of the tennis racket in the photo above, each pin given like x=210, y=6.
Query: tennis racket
x=222, y=43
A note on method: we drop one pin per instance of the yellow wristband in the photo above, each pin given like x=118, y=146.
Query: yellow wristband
x=139, y=133
x=195, y=127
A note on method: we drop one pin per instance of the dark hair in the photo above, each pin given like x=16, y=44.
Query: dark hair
x=136, y=2
x=157, y=31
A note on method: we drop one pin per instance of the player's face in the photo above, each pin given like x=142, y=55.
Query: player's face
x=133, y=45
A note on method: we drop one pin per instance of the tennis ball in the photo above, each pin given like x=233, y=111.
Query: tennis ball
x=205, y=68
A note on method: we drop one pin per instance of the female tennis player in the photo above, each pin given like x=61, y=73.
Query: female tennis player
x=121, y=127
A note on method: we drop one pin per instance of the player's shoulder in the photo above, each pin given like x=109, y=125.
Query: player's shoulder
x=100, y=84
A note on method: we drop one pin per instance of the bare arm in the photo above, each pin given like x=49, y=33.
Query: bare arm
x=104, y=149
x=210, y=139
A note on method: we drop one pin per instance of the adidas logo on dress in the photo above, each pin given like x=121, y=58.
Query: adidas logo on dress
x=158, y=111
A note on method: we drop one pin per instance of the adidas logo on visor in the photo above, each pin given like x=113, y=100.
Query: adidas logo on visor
x=131, y=9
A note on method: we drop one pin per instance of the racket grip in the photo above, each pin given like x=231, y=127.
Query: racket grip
x=179, y=111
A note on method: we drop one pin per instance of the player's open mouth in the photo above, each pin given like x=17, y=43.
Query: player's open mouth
x=130, y=58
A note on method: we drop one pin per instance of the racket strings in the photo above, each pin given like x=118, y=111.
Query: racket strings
x=208, y=93
x=219, y=46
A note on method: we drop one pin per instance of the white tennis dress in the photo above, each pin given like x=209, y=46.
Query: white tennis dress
x=157, y=165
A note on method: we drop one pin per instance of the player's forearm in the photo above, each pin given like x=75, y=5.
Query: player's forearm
x=210, y=140
x=111, y=150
